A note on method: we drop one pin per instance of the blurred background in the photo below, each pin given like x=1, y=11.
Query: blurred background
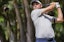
x=16, y=24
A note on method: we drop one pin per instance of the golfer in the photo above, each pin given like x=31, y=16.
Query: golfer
x=43, y=22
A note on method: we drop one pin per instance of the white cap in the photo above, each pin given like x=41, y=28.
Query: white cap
x=36, y=1
x=39, y=2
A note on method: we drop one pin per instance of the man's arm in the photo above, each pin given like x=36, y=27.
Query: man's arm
x=49, y=8
x=60, y=15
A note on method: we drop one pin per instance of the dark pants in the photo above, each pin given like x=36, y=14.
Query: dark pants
x=45, y=40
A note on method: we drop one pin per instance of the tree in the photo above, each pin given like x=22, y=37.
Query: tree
x=30, y=29
x=19, y=22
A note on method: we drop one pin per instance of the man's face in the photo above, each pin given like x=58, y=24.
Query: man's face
x=37, y=6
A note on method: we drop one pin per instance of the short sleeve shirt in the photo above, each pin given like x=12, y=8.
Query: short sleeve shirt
x=42, y=23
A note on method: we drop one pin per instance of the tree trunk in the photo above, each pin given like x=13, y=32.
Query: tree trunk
x=30, y=29
x=19, y=22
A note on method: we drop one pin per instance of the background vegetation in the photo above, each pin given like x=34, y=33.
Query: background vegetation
x=16, y=24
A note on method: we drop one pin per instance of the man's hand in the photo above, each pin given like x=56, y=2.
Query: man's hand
x=53, y=3
x=57, y=5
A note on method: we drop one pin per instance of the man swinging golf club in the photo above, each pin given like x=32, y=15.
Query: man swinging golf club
x=43, y=22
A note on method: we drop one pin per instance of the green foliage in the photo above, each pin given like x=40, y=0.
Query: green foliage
x=1, y=19
x=2, y=2
x=59, y=29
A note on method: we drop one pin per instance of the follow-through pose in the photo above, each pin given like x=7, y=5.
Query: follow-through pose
x=43, y=22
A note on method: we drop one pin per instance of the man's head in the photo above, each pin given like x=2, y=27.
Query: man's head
x=36, y=4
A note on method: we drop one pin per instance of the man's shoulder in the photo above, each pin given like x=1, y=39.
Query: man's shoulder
x=33, y=11
x=36, y=10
